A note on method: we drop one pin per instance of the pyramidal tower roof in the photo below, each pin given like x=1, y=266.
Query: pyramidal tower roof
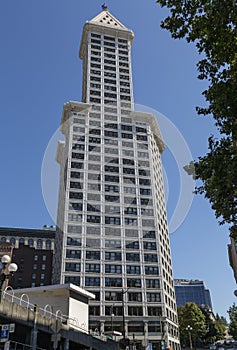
x=106, y=19
x=105, y=23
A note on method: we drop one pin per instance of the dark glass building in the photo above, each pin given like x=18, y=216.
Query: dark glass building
x=192, y=291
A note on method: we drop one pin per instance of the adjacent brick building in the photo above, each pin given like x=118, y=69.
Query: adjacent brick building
x=32, y=252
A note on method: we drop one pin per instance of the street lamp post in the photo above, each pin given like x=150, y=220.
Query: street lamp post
x=124, y=340
x=112, y=315
x=189, y=329
x=7, y=270
x=123, y=313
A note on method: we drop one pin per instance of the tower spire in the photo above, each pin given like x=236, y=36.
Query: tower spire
x=104, y=7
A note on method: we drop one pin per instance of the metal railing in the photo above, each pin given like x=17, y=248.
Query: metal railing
x=24, y=301
x=13, y=345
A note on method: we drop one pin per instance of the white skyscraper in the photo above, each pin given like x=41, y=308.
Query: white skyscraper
x=112, y=236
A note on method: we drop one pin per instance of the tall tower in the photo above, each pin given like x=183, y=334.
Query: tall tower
x=112, y=236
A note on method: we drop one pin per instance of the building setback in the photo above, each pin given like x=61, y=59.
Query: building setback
x=112, y=235
x=192, y=291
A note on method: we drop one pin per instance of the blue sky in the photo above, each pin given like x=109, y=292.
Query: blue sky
x=40, y=71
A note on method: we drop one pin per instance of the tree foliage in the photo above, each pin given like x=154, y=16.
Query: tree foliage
x=212, y=26
x=233, y=321
x=191, y=315
x=205, y=328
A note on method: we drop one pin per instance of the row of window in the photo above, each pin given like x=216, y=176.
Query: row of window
x=111, y=220
x=129, y=232
x=113, y=256
x=117, y=282
x=30, y=242
x=113, y=269
x=113, y=209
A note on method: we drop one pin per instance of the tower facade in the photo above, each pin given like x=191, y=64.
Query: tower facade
x=112, y=235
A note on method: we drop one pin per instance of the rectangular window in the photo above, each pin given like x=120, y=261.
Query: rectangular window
x=116, y=310
x=75, y=206
x=135, y=297
x=93, y=230
x=109, y=178
x=95, y=268
x=111, y=220
x=134, y=283
x=109, y=133
x=111, y=169
x=141, y=137
x=95, y=167
x=94, y=148
x=93, y=208
x=92, y=281
x=76, y=175
x=113, y=282
x=153, y=297
x=93, y=255
x=77, y=185
x=149, y=245
x=111, y=243
x=77, y=155
x=72, y=267
x=113, y=268
x=94, y=157
x=133, y=270
x=93, y=218
x=132, y=245
x=145, y=182
x=147, y=212
x=130, y=190
x=151, y=270
x=146, y=222
x=73, y=254
x=75, y=195
x=132, y=256
x=113, y=296
x=73, y=229
x=94, y=310
x=75, y=165
x=153, y=283
x=131, y=221
x=128, y=171
x=77, y=146
x=111, y=150
x=113, y=256
x=112, y=231
x=111, y=188
x=131, y=233
x=111, y=198
x=74, y=241
x=150, y=258
x=91, y=242
x=112, y=209
x=149, y=234
x=127, y=136
x=74, y=217
x=135, y=311
x=154, y=311
x=130, y=210
x=72, y=279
